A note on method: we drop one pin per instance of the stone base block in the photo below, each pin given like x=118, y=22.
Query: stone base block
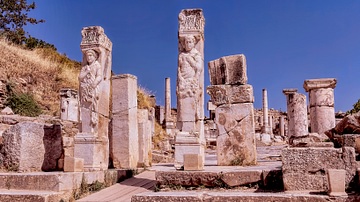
x=93, y=150
x=305, y=168
x=72, y=164
x=182, y=149
x=193, y=162
x=336, y=180
x=235, y=144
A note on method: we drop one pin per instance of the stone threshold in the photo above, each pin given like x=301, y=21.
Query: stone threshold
x=30, y=196
x=265, y=175
x=248, y=195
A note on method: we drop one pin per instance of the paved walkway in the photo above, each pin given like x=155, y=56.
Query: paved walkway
x=123, y=191
x=145, y=181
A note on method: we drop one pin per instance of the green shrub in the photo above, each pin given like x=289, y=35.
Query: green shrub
x=23, y=104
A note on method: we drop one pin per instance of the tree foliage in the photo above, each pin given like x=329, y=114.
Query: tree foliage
x=355, y=109
x=13, y=17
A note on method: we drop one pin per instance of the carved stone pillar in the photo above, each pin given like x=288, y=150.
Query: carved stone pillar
x=69, y=105
x=297, y=113
x=190, y=86
x=92, y=142
x=234, y=114
x=321, y=96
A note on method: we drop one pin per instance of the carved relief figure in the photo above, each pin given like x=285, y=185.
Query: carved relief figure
x=90, y=78
x=190, y=67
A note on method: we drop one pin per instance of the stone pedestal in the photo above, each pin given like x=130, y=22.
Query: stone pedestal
x=297, y=113
x=236, y=140
x=124, y=140
x=92, y=143
x=187, y=144
x=69, y=105
x=321, y=98
x=190, y=84
x=93, y=150
x=336, y=179
x=234, y=113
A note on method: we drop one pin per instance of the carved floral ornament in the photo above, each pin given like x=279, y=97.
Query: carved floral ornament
x=95, y=35
x=191, y=20
x=218, y=95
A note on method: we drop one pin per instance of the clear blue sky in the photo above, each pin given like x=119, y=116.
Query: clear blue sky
x=285, y=41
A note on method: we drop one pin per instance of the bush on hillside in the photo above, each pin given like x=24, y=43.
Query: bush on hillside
x=23, y=104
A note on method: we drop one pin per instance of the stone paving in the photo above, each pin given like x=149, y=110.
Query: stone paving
x=268, y=159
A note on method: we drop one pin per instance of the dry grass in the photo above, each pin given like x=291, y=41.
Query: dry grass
x=42, y=72
x=144, y=98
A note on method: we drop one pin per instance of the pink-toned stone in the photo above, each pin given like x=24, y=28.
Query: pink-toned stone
x=336, y=179
x=226, y=94
x=236, y=140
x=228, y=70
x=321, y=97
x=72, y=164
x=190, y=81
x=297, y=113
x=124, y=139
x=305, y=168
x=193, y=162
x=23, y=147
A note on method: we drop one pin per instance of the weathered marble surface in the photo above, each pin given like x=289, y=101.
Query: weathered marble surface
x=228, y=70
x=321, y=97
x=236, y=140
x=297, y=113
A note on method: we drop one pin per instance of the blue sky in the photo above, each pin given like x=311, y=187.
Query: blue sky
x=285, y=41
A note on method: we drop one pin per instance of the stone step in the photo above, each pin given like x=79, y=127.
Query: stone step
x=265, y=174
x=55, y=181
x=248, y=195
x=31, y=196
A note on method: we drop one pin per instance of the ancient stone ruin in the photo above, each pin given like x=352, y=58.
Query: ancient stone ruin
x=92, y=142
x=234, y=114
x=237, y=154
x=190, y=87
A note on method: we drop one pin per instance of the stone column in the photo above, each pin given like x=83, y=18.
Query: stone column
x=234, y=114
x=265, y=128
x=282, y=126
x=169, y=122
x=144, y=129
x=69, y=105
x=271, y=123
x=321, y=98
x=124, y=141
x=190, y=86
x=92, y=143
x=167, y=100
x=297, y=113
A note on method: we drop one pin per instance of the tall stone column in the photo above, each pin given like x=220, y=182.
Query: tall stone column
x=124, y=139
x=234, y=114
x=167, y=100
x=190, y=86
x=92, y=142
x=282, y=126
x=297, y=113
x=169, y=122
x=321, y=98
x=266, y=127
x=69, y=105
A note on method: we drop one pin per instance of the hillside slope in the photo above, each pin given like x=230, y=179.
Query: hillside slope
x=40, y=72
